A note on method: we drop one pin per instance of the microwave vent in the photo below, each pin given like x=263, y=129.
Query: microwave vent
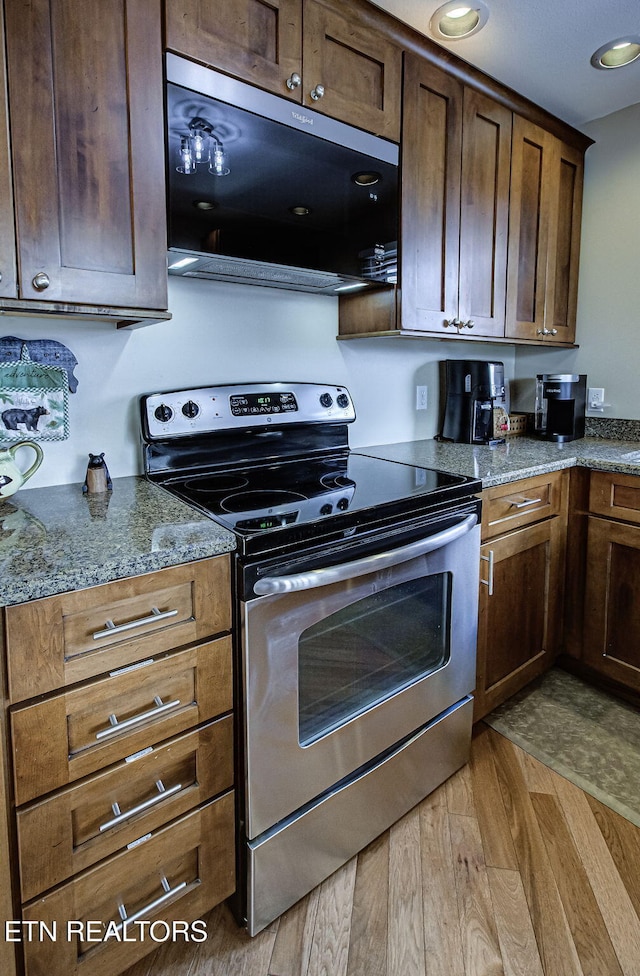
x=223, y=268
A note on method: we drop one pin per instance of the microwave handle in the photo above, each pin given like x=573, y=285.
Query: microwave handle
x=360, y=567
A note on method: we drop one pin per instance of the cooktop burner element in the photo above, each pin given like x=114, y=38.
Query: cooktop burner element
x=253, y=501
x=336, y=481
x=216, y=483
x=272, y=463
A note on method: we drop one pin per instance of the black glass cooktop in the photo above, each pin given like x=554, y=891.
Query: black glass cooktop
x=302, y=498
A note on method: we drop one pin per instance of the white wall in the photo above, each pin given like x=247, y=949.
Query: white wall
x=609, y=283
x=225, y=333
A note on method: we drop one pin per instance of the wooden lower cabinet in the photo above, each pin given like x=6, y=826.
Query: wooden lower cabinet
x=165, y=883
x=521, y=588
x=122, y=777
x=612, y=622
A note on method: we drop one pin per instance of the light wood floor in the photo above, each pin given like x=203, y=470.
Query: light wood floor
x=506, y=869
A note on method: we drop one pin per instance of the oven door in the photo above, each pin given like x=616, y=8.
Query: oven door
x=342, y=662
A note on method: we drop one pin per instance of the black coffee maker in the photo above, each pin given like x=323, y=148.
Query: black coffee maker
x=561, y=400
x=470, y=391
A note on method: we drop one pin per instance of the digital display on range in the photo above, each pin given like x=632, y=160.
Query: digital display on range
x=256, y=404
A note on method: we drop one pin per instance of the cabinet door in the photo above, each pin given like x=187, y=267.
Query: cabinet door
x=8, y=283
x=484, y=214
x=358, y=69
x=519, y=614
x=85, y=103
x=531, y=202
x=257, y=41
x=564, y=243
x=612, y=624
x=544, y=236
x=431, y=153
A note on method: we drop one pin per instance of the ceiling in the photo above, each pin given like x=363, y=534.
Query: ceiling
x=542, y=49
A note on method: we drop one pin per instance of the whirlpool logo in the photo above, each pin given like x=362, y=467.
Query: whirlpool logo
x=302, y=118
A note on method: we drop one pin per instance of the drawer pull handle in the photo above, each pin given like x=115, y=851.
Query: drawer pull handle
x=169, y=892
x=489, y=582
x=162, y=794
x=525, y=502
x=116, y=726
x=110, y=628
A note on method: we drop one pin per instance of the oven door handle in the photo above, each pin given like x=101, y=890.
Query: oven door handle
x=360, y=567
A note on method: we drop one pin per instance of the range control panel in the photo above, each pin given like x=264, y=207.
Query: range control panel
x=216, y=408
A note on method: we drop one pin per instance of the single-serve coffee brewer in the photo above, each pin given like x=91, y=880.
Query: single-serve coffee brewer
x=470, y=391
x=560, y=406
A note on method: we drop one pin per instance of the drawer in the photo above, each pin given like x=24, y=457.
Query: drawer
x=74, y=636
x=76, y=827
x=175, y=876
x=81, y=730
x=511, y=506
x=615, y=495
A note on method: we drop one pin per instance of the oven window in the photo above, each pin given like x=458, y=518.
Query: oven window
x=371, y=649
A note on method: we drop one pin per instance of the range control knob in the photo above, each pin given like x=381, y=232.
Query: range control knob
x=326, y=509
x=342, y=504
x=163, y=413
x=342, y=400
x=191, y=409
x=326, y=399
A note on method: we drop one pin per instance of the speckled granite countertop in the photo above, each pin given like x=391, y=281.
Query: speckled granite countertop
x=519, y=457
x=57, y=539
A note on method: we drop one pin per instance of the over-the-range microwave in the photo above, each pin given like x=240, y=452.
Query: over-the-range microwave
x=264, y=191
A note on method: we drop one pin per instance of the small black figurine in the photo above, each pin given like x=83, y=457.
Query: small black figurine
x=98, y=479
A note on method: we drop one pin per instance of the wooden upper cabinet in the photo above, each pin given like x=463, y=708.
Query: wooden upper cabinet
x=312, y=51
x=8, y=280
x=353, y=64
x=484, y=213
x=455, y=190
x=86, y=110
x=544, y=235
x=430, y=228
x=257, y=41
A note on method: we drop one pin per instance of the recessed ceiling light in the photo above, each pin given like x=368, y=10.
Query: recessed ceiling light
x=456, y=19
x=204, y=204
x=617, y=53
x=300, y=211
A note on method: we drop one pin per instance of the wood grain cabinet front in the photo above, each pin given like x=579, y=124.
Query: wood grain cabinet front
x=454, y=229
x=85, y=110
x=320, y=53
x=64, y=639
x=456, y=152
x=74, y=733
x=544, y=236
x=113, y=914
x=521, y=585
x=611, y=633
x=121, y=738
x=76, y=827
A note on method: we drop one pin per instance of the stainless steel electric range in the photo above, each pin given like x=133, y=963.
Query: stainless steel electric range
x=355, y=593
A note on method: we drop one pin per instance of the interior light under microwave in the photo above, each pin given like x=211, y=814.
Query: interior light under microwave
x=182, y=263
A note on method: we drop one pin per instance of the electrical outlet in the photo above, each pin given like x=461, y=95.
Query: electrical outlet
x=595, y=398
x=421, y=397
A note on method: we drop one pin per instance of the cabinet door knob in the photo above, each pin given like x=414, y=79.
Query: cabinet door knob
x=294, y=81
x=469, y=323
x=41, y=281
x=317, y=92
